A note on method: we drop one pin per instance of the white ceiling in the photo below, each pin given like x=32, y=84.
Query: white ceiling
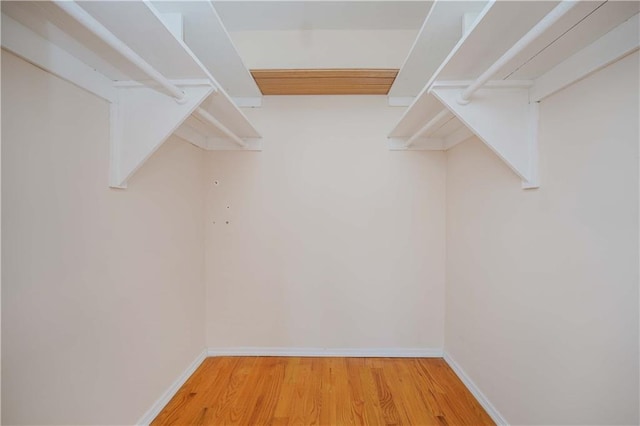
x=322, y=15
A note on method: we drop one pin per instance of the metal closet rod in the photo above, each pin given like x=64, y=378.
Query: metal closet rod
x=543, y=25
x=91, y=24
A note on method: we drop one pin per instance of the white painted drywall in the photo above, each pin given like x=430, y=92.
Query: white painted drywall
x=324, y=48
x=102, y=289
x=333, y=241
x=322, y=15
x=542, y=285
x=0, y=253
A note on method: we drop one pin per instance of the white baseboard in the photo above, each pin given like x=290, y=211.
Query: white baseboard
x=169, y=393
x=329, y=352
x=475, y=390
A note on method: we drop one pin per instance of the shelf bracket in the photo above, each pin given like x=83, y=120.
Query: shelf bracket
x=133, y=138
x=505, y=120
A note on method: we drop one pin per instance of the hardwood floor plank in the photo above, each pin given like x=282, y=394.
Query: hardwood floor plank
x=417, y=411
x=188, y=402
x=246, y=397
x=222, y=400
x=355, y=388
x=280, y=391
x=327, y=404
x=341, y=398
x=267, y=390
x=311, y=392
x=372, y=409
x=458, y=403
x=385, y=397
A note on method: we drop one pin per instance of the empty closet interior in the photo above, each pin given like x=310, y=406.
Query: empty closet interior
x=430, y=179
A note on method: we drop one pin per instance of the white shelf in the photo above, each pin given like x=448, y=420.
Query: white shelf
x=499, y=26
x=207, y=37
x=441, y=30
x=132, y=22
x=114, y=49
x=172, y=55
x=501, y=113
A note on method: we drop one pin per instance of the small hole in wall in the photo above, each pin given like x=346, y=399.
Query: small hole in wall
x=228, y=207
x=227, y=222
x=216, y=183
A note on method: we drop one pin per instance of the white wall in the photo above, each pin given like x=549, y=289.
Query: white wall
x=102, y=289
x=324, y=48
x=333, y=241
x=0, y=254
x=542, y=285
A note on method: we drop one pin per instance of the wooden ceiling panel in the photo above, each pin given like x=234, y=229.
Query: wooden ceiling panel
x=324, y=81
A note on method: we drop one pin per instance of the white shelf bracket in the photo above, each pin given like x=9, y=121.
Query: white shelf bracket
x=432, y=124
x=146, y=111
x=505, y=121
x=141, y=120
x=202, y=115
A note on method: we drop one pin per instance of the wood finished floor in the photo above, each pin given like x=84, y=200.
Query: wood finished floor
x=323, y=391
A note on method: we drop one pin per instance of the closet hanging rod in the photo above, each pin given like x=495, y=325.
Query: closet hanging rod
x=543, y=25
x=91, y=24
x=441, y=116
x=203, y=115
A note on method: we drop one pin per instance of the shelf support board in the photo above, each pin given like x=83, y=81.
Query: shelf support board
x=25, y=43
x=543, y=25
x=433, y=124
x=202, y=115
x=460, y=135
x=133, y=138
x=191, y=135
x=613, y=46
x=504, y=120
x=219, y=144
x=420, y=144
x=94, y=26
